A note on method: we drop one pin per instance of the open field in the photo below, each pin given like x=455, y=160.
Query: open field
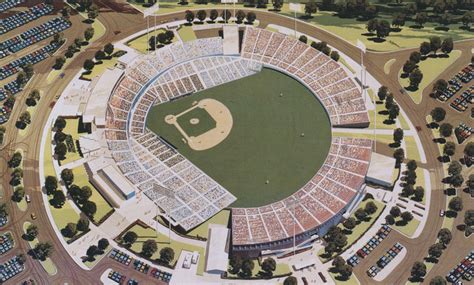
x=81, y=179
x=162, y=241
x=431, y=68
x=267, y=130
x=408, y=229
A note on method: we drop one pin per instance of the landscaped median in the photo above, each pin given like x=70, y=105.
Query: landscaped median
x=47, y=264
x=351, y=281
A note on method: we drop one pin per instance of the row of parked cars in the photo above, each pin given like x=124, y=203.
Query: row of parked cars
x=385, y=260
x=465, y=270
x=11, y=268
x=381, y=234
x=455, y=84
x=32, y=58
x=6, y=243
x=8, y=4
x=140, y=266
x=462, y=102
x=33, y=36
x=21, y=18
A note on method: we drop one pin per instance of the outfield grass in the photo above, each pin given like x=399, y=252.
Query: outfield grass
x=186, y=33
x=162, y=241
x=141, y=43
x=408, y=229
x=431, y=68
x=266, y=132
x=81, y=179
x=221, y=218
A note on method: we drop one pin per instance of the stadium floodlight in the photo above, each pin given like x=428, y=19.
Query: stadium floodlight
x=295, y=7
x=151, y=11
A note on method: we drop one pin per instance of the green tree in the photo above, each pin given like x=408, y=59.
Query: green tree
x=58, y=199
x=166, y=255
x=43, y=250
x=406, y=216
x=438, y=280
x=469, y=218
x=83, y=224
x=235, y=263
x=360, y=214
x=240, y=15
x=393, y=112
x=383, y=29
x=247, y=266
x=411, y=165
x=421, y=18
x=89, y=208
x=419, y=193
x=85, y=194
x=109, y=49
x=435, y=250
x=130, y=237
x=382, y=93
x=425, y=48
x=418, y=270
x=398, y=135
x=277, y=4
x=399, y=155
x=466, y=19
x=3, y=210
x=415, y=57
x=251, y=17
x=201, y=15
x=350, y=223
x=335, y=55
x=435, y=44
x=447, y=46
x=290, y=280
x=189, y=16
x=449, y=149
x=88, y=33
x=93, y=13
x=395, y=211
x=438, y=114
x=269, y=265
x=409, y=66
x=60, y=151
x=149, y=247
x=446, y=129
x=32, y=232
x=415, y=78
x=445, y=236
x=389, y=219
x=18, y=194
x=370, y=208
x=455, y=204
x=88, y=64
x=15, y=160
x=92, y=251
x=213, y=14
x=310, y=8
x=70, y=230
x=103, y=244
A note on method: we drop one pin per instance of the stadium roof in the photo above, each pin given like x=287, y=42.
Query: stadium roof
x=380, y=170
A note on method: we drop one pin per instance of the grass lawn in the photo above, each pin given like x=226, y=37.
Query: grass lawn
x=65, y=214
x=82, y=179
x=162, y=241
x=266, y=131
x=420, y=181
x=22, y=205
x=91, y=264
x=99, y=30
x=388, y=65
x=380, y=118
x=47, y=264
x=186, y=33
x=408, y=229
x=351, y=281
x=411, y=148
x=448, y=223
x=141, y=43
x=221, y=218
x=431, y=68
x=361, y=228
x=72, y=128
x=100, y=68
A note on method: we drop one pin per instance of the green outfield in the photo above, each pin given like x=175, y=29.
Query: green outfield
x=280, y=136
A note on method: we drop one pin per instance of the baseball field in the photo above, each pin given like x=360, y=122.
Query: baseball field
x=279, y=135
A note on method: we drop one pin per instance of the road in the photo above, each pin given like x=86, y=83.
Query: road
x=121, y=21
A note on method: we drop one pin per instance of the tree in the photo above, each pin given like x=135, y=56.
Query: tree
x=469, y=218
x=240, y=15
x=88, y=64
x=445, y=236
x=383, y=29
x=78, y=42
x=370, y=208
x=303, y=39
x=466, y=19
x=408, y=190
x=449, y=149
x=399, y=155
x=166, y=255
x=109, y=49
x=290, y=280
x=226, y=15
x=360, y=214
x=415, y=57
x=425, y=48
x=89, y=208
x=58, y=199
x=406, y=216
x=247, y=266
x=269, y=265
x=130, y=237
x=372, y=25
x=32, y=231
x=349, y=223
x=421, y=18
x=213, y=15
x=447, y=45
x=393, y=112
x=88, y=33
x=398, y=135
x=15, y=160
x=149, y=248
x=454, y=168
x=66, y=12
x=382, y=92
x=435, y=250
x=103, y=244
x=3, y=210
x=389, y=219
x=251, y=16
x=43, y=250
x=60, y=150
x=330, y=248
x=418, y=269
x=162, y=38
x=235, y=263
x=25, y=117
x=446, y=129
x=93, y=13
x=85, y=194
x=335, y=55
x=345, y=271
x=70, y=230
x=201, y=15
x=469, y=149
x=99, y=55
x=338, y=262
x=438, y=114
x=310, y=8
x=409, y=66
x=455, y=204
x=435, y=44
x=83, y=224
x=92, y=251
x=21, y=78
x=59, y=63
x=277, y=4
x=438, y=280
x=395, y=211
x=411, y=165
x=419, y=193
x=415, y=78
x=444, y=19
x=398, y=20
